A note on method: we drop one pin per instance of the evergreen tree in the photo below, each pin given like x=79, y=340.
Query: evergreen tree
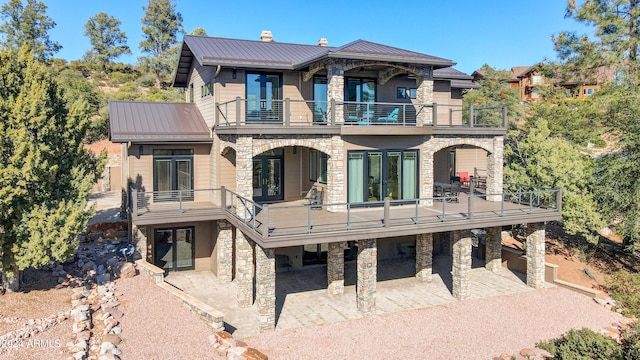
x=107, y=40
x=45, y=173
x=161, y=25
x=28, y=25
x=199, y=31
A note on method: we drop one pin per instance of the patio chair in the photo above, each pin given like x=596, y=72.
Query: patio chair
x=392, y=117
x=454, y=192
x=464, y=177
x=315, y=198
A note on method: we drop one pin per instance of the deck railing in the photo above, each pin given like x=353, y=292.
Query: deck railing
x=290, y=112
x=274, y=220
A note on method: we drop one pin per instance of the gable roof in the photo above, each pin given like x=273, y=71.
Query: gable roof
x=215, y=51
x=156, y=121
x=459, y=80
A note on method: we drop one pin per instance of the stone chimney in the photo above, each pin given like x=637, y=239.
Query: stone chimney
x=323, y=42
x=266, y=36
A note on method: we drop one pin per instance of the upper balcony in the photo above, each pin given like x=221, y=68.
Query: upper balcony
x=288, y=116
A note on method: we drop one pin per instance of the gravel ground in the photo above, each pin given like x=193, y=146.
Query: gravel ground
x=157, y=326
x=473, y=329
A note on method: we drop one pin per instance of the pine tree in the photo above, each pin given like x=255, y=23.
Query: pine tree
x=28, y=25
x=107, y=41
x=45, y=173
x=161, y=25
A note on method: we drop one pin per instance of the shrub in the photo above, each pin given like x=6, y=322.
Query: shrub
x=631, y=343
x=583, y=344
x=146, y=80
x=118, y=78
x=624, y=288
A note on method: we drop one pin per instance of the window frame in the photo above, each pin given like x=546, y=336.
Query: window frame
x=173, y=155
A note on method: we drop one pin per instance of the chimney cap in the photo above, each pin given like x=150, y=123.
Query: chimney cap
x=323, y=42
x=266, y=36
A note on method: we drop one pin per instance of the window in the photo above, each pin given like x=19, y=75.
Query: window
x=375, y=174
x=317, y=166
x=174, y=248
x=320, y=100
x=406, y=93
x=537, y=79
x=588, y=91
x=173, y=174
x=206, y=89
x=191, y=93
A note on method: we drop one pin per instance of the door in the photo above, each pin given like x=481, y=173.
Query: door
x=267, y=179
x=174, y=249
x=264, y=98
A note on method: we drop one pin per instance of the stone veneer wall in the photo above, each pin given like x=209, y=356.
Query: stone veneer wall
x=266, y=288
x=424, y=257
x=244, y=270
x=139, y=237
x=244, y=168
x=335, y=88
x=335, y=268
x=367, y=275
x=224, y=251
x=424, y=95
x=493, y=249
x=495, y=164
x=461, y=264
x=535, y=254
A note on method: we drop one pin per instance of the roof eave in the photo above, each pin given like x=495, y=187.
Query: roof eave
x=436, y=63
x=120, y=140
x=248, y=65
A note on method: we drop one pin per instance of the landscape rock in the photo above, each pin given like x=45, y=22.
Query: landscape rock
x=128, y=270
x=114, y=339
x=117, y=314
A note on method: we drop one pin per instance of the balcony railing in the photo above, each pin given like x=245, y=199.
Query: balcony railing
x=290, y=112
x=276, y=220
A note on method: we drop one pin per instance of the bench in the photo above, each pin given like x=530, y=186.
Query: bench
x=315, y=198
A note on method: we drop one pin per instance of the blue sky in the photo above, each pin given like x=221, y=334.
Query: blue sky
x=501, y=33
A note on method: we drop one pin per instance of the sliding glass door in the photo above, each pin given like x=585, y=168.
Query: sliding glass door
x=264, y=98
x=173, y=175
x=174, y=248
x=376, y=174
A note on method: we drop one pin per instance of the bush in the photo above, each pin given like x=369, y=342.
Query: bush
x=583, y=344
x=118, y=78
x=624, y=288
x=146, y=80
x=631, y=343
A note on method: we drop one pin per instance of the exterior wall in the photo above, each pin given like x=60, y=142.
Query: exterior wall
x=293, y=177
x=200, y=76
x=205, y=233
x=227, y=88
x=441, y=166
x=470, y=159
x=442, y=97
x=141, y=167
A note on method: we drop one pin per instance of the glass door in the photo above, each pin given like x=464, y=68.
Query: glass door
x=320, y=100
x=174, y=249
x=374, y=162
x=264, y=98
x=393, y=175
x=267, y=179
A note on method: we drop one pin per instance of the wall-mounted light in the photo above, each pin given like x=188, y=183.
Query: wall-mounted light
x=295, y=150
x=234, y=74
x=140, y=150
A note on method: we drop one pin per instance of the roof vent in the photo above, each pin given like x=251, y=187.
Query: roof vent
x=323, y=42
x=266, y=36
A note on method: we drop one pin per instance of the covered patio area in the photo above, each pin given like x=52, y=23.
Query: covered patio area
x=302, y=298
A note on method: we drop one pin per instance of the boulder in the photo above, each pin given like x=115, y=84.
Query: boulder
x=128, y=270
x=114, y=339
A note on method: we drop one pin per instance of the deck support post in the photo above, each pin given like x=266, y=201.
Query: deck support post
x=244, y=270
x=461, y=264
x=424, y=257
x=335, y=268
x=367, y=275
x=224, y=251
x=266, y=288
x=493, y=249
x=535, y=255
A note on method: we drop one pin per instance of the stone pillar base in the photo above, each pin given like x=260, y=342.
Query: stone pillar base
x=461, y=264
x=424, y=257
x=535, y=255
x=367, y=275
x=224, y=251
x=244, y=270
x=335, y=268
x=266, y=288
x=493, y=249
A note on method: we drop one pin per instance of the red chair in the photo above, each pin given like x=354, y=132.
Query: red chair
x=464, y=177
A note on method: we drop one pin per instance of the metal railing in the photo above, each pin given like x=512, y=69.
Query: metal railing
x=290, y=112
x=276, y=220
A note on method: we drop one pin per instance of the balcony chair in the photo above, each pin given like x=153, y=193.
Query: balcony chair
x=454, y=192
x=315, y=198
x=392, y=117
x=464, y=177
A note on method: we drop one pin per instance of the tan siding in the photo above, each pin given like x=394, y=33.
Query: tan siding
x=293, y=177
x=227, y=170
x=468, y=159
x=442, y=97
x=227, y=88
x=199, y=76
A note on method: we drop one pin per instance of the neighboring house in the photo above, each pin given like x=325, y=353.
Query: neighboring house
x=529, y=81
x=288, y=155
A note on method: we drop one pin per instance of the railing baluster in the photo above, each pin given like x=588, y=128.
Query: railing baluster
x=308, y=219
x=265, y=231
x=417, y=204
x=348, y=216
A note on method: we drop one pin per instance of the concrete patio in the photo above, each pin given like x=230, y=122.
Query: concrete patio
x=302, y=298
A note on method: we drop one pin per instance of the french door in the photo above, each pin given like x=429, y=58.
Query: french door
x=268, y=178
x=172, y=176
x=264, y=98
x=174, y=248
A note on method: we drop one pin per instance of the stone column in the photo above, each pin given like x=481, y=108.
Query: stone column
x=142, y=246
x=224, y=251
x=266, y=288
x=535, y=255
x=424, y=257
x=335, y=90
x=367, y=275
x=493, y=249
x=426, y=171
x=461, y=264
x=244, y=270
x=336, y=175
x=244, y=166
x=335, y=268
x=424, y=95
x=495, y=170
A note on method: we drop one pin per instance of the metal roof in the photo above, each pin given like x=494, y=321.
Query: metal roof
x=464, y=84
x=156, y=121
x=285, y=56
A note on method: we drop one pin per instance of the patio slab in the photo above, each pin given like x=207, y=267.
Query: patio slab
x=302, y=298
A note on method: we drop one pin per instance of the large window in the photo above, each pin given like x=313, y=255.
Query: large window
x=173, y=174
x=317, y=166
x=376, y=174
x=174, y=248
x=320, y=100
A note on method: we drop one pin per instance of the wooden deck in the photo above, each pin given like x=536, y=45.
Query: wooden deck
x=295, y=223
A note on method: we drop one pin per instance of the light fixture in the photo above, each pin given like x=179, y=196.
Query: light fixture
x=234, y=74
x=140, y=150
x=295, y=150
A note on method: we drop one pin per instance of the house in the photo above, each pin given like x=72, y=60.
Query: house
x=529, y=80
x=288, y=155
